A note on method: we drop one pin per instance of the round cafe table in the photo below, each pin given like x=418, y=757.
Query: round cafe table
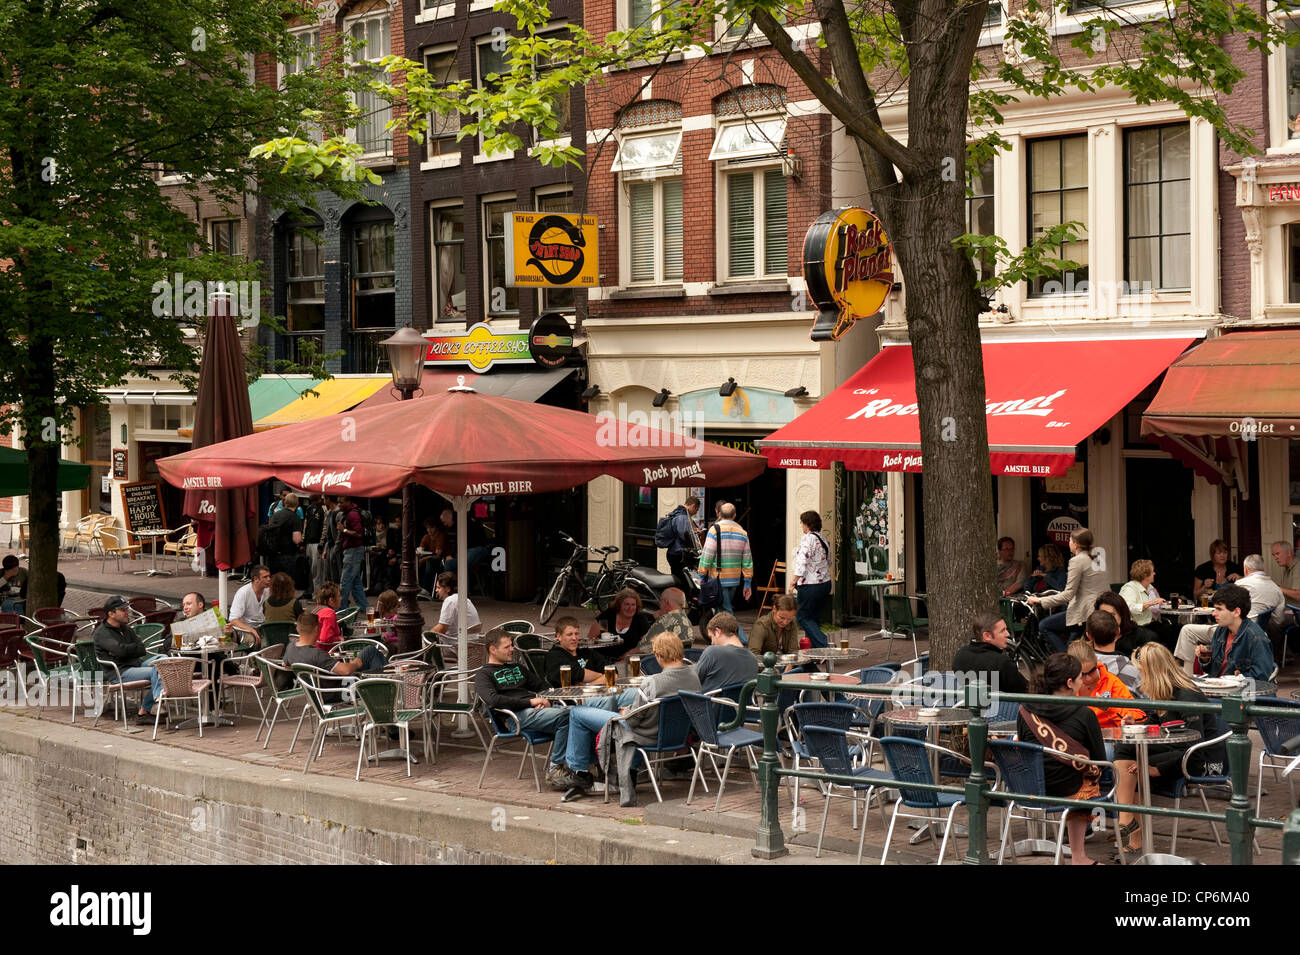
x=1187, y=614
x=576, y=694
x=1218, y=688
x=1141, y=744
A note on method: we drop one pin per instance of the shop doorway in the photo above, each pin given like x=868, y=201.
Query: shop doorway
x=97, y=445
x=761, y=511
x=640, y=515
x=1160, y=522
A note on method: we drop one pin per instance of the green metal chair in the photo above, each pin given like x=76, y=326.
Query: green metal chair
x=326, y=701
x=357, y=644
x=52, y=655
x=517, y=626
x=1008, y=609
x=346, y=618
x=898, y=610
x=435, y=706
x=379, y=699
x=89, y=669
x=154, y=636
x=277, y=633
x=269, y=668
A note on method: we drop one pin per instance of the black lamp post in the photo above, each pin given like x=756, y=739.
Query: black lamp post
x=406, y=350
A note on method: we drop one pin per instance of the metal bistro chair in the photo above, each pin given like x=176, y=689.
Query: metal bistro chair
x=148, y=605
x=51, y=653
x=705, y=714
x=250, y=677
x=326, y=698
x=870, y=707
x=153, y=636
x=1273, y=732
x=111, y=546
x=1020, y=767
x=268, y=668
x=830, y=747
x=898, y=610
x=517, y=626
x=380, y=701
x=276, y=632
x=506, y=728
x=89, y=669
x=909, y=761
x=179, y=684
x=345, y=620
x=356, y=645
x=674, y=729
x=13, y=643
x=832, y=715
x=435, y=705
x=1176, y=787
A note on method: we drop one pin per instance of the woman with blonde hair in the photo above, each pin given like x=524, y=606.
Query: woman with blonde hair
x=1050, y=572
x=1162, y=679
x=1142, y=597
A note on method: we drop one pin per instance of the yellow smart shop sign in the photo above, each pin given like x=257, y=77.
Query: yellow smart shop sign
x=551, y=250
x=848, y=268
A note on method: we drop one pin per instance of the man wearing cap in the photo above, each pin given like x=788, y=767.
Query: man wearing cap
x=117, y=641
x=13, y=586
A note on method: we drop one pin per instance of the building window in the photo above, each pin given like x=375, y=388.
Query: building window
x=490, y=62
x=371, y=42
x=223, y=236
x=443, y=127
x=306, y=293
x=447, y=225
x=562, y=299
x=164, y=417
x=429, y=6
x=501, y=299
x=756, y=224
x=1157, y=207
x=748, y=140
x=373, y=275
x=560, y=105
x=644, y=14
x=993, y=15
x=1293, y=84
x=655, y=231
x=306, y=57
x=1058, y=193
x=979, y=214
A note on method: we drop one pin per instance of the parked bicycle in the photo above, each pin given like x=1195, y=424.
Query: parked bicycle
x=1029, y=649
x=576, y=585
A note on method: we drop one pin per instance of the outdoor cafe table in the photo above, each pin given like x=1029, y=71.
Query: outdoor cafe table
x=881, y=583
x=1219, y=687
x=1187, y=614
x=153, y=535
x=829, y=654
x=1178, y=737
x=210, y=657
x=824, y=680
x=596, y=643
x=576, y=694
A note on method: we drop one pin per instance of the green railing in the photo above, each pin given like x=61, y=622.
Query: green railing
x=1235, y=711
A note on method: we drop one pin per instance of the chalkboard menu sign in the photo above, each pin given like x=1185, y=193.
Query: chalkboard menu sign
x=143, y=505
x=119, y=463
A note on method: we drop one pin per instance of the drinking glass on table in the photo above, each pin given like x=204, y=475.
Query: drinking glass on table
x=611, y=675
x=634, y=667
x=566, y=676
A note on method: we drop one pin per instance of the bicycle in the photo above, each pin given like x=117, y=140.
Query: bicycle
x=1029, y=648
x=571, y=584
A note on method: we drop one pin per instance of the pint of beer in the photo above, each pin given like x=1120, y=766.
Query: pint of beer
x=566, y=676
x=611, y=675
x=176, y=640
x=634, y=667
x=844, y=643
x=370, y=616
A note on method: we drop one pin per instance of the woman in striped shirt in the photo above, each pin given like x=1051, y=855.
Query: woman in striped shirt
x=811, y=581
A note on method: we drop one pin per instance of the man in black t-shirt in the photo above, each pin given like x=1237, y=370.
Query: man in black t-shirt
x=984, y=656
x=588, y=666
x=285, y=528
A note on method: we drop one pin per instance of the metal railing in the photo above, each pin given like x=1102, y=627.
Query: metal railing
x=363, y=355
x=1234, y=710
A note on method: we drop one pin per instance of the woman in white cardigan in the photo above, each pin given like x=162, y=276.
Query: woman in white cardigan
x=1085, y=581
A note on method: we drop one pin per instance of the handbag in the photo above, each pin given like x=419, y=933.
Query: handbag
x=710, y=586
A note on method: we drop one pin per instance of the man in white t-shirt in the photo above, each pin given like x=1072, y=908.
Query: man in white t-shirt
x=446, y=588
x=247, y=610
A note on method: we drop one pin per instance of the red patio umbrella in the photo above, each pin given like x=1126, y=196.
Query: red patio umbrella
x=225, y=519
x=463, y=445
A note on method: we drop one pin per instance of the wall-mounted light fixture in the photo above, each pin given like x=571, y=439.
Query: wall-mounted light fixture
x=728, y=388
x=590, y=392
x=661, y=399
x=800, y=392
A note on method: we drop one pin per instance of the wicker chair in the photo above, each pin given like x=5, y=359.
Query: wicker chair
x=250, y=677
x=178, y=684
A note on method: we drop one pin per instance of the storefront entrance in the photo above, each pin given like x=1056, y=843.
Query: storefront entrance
x=760, y=510
x=1160, y=527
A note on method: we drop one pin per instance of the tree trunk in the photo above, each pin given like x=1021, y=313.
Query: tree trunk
x=38, y=417
x=923, y=214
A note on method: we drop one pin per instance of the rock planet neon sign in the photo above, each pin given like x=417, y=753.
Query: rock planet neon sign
x=848, y=268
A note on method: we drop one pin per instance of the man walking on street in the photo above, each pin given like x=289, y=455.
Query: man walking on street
x=685, y=543
x=353, y=541
x=313, y=530
x=726, y=555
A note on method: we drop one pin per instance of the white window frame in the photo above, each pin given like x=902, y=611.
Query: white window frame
x=297, y=33
x=723, y=230
x=211, y=231
x=370, y=62
x=434, y=209
x=480, y=155
x=558, y=27
x=771, y=133
x=442, y=159
x=620, y=166
x=483, y=203
x=435, y=10
x=670, y=174
x=624, y=17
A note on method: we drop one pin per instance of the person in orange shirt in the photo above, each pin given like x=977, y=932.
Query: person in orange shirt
x=1101, y=683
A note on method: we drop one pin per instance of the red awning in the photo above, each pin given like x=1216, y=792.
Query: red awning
x=1042, y=399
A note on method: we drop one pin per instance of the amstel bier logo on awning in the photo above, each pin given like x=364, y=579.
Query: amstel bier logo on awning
x=848, y=268
x=551, y=249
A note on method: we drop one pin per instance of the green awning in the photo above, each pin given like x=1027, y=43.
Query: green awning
x=270, y=393
x=73, y=476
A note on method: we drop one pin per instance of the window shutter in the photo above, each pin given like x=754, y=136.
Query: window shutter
x=775, y=245
x=641, y=219
x=672, y=244
x=740, y=225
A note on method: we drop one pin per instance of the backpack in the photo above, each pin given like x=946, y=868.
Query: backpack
x=269, y=540
x=665, y=533
x=368, y=528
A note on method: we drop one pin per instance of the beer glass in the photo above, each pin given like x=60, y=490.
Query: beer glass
x=1205, y=600
x=566, y=676
x=176, y=640
x=611, y=675
x=844, y=643
x=370, y=616
x=634, y=667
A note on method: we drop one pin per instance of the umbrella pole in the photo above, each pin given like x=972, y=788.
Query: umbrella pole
x=223, y=580
x=461, y=504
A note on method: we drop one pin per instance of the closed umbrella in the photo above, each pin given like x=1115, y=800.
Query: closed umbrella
x=225, y=518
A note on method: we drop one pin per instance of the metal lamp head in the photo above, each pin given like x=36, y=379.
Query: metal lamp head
x=405, y=357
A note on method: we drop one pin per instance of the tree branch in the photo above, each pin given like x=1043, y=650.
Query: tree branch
x=861, y=121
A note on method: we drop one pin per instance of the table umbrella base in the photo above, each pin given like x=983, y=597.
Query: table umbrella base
x=151, y=572
x=393, y=754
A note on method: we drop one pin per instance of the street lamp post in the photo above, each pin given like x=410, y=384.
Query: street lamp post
x=406, y=351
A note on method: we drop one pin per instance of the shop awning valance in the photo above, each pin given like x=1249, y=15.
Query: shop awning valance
x=1041, y=397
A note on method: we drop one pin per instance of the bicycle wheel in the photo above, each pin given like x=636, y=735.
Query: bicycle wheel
x=559, y=590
